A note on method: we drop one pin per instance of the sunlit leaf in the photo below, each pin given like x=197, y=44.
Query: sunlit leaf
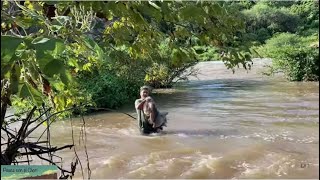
x=60, y=101
x=45, y=124
x=40, y=40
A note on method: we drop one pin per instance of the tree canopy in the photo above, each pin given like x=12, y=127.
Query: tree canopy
x=50, y=49
x=100, y=52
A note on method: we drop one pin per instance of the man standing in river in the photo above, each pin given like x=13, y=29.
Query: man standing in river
x=149, y=118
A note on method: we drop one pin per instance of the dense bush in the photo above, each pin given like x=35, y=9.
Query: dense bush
x=112, y=86
x=109, y=91
x=294, y=55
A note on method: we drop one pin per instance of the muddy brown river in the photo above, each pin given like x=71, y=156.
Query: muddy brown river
x=224, y=125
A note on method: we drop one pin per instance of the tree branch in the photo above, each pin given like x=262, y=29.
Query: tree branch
x=35, y=152
x=25, y=124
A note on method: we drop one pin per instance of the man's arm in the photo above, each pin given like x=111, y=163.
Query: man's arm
x=139, y=103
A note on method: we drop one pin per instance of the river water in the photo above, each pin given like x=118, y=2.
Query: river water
x=224, y=125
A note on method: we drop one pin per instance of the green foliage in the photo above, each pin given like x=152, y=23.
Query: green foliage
x=279, y=4
x=21, y=105
x=157, y=75
x=242, y=4
x=38, y=57
x=289, y=28
x=169, y=62
x=265, y=20
x=294, y=55
x=308, y=11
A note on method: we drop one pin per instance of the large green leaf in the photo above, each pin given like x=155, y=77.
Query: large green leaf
x=57, y=67
x=26, y=91
x=53, y=67
x=44, y=60
x=45, y=46
x=9, y=45
x=47, y=50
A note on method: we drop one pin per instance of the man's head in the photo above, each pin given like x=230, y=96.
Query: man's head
x=145, y=91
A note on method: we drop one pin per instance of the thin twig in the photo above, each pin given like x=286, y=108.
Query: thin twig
x=28, y=161
x=63, y=170
x=27, y=156
x=85, y=146
x=74, y=148
x=41, y=115
x=8, y=133
x=54, y=119
x=48, y=131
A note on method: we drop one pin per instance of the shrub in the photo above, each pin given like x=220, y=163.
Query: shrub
x=111, y=86
x=294, y=55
